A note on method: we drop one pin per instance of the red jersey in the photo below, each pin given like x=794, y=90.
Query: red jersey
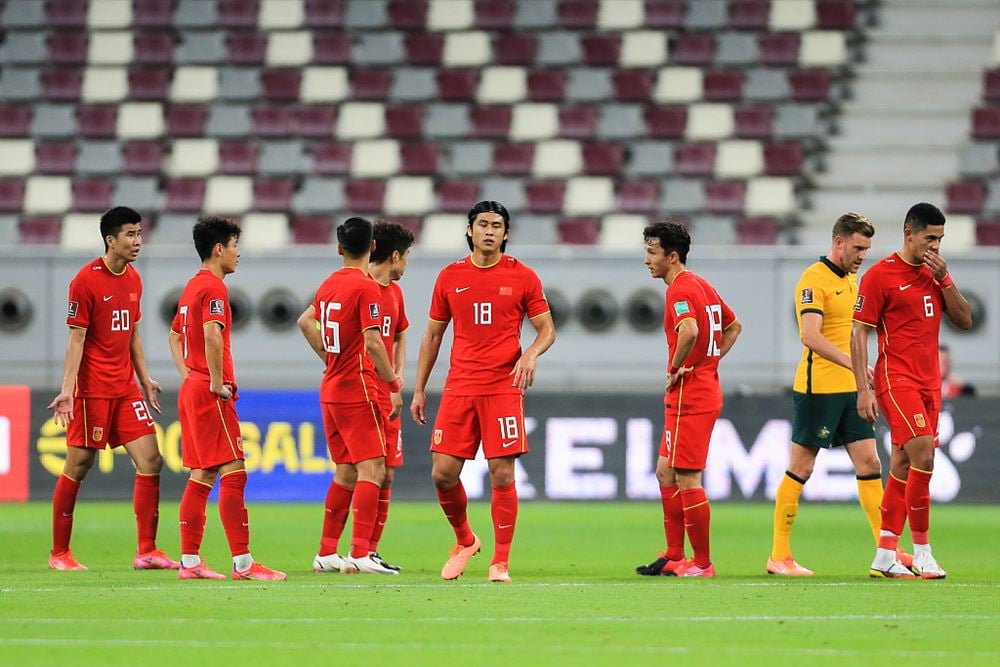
x=106, y=304
x=393, y=322
x=690, y=296
x=904, y=303
x=488, y=305
x=347, y=303
x=205, y=299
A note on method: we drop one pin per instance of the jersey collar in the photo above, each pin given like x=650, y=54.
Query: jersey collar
x=833, y=267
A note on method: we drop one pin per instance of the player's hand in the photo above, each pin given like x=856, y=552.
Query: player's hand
x=396, y=399
x=524, y=371
x=672, y=378
x=63, y=406
x=223, y=391
x=418, y=408
x=870, y=372
x=867, y=406
x=935, y=264
x=152, y=388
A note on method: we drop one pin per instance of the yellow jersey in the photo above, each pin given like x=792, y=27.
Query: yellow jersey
x=827, y=290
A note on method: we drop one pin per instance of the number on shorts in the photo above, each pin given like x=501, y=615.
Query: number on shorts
x=508, y=428
x=142, y=412
x=329, y=326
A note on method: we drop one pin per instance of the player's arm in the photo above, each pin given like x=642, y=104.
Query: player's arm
x=729, y=336
x=867, y=405
x=177, y=353
x=430, y=346
x=375, y=348
x=812, y=337
x=150, y=387
x=545, y=335
x=309, y=327
x=214, y=346
x=956, y=306
x=687, y=335
x=63, y=402
x=399, y=354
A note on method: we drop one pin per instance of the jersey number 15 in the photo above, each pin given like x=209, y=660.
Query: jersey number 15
x=329, y=326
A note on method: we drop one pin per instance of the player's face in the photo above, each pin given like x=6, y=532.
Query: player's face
x=488, y=232
x=127, y=242
x=399, y=263
x=925, y=240
x=230, y=255
x=657, y=261
x=852, y=254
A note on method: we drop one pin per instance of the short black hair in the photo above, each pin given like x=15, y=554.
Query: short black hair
x=390, y=237
x=355, y=236
x=922, y=215
x=113, y=220
x=210, y=230
x=672, y=236
x=489, y=206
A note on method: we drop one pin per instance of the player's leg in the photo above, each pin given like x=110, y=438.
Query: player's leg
x=364, y=507
x=868, y=471
x=668, y=562
x=886, y=563
x=393, y=460
x=920, y=451
x=801, y=460
x=145, y=454
x=337, y=505
x=236, y=521
x=503, y=511
x=697, y=522
x=194, y=500
x=501, y=420
x=79, y=460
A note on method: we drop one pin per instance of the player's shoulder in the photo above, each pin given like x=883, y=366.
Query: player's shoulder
x=91, y=270
x=815, y=271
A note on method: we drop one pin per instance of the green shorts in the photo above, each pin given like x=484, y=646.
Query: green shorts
x=828, y=420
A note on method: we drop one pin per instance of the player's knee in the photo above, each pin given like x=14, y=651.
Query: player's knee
x=151, y=465
x=869, y=467
x=443, y=479
x=502, y=477
x=803, y=470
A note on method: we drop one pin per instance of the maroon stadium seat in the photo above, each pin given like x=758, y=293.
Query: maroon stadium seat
x=414, y=224
x=273, y=194
x=62, y=83
x=98, y=121
x=696, y=159
x=324, y=13
x=666, y=122
x=153, y=47
x=66, y=13
x=246, y=48
x=986, y=123
x=665, y=13
x=15, y=120
x=314, y=121
x=404, y=121
x=966, y=196
x=756, y=122
x=238, y=157
x=495, y=14
x=312, y=229
x=545, y=196
x=67, y=47
x=11, y=194
x=633, y=85
x=601, y=50
x=491, y=122
x=779, y=48
x=784, y=159
x=457, y=85
x=991, y=85
x=93, y=194
x=186, y=120
x=185, y=195
x=513, y=159
x=408, y=14
x=749, y=14
x=332, y=48
x=40, y=230
x=149, y=83
x=515, y=48
x=424, y=48
x=55, y=157
x=237, y=13
x=152, y=13
x=639, y=196
x=697, y=48
x=723, y=85
x=602, y=159
x=578, y=122
x=419, y=159
x=810, y=85
x=988, y=232
x=577, y=13
x=331, y=158
x=272, y=121
x=725, y=196
x=371, y=84
x=365, y=196
x=835, y=14
x=579, y=231
x=457, y=196
x=142, y=157
x=547, y=85
x=281, y=85
x=757, y=231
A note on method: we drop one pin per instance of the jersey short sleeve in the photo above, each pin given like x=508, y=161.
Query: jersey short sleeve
x=213, y=305
x=81, y=300
x=534, y=302
x=681, y=303
x=810, y=295
x=370, y=306
x=440, y=308
x=871, y=298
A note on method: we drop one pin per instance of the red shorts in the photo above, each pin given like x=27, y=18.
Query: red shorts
x=393, y=437
x=98, y=422
x=210, y=427
x=353, y=431
x=685, y=439
x=497, y=420
x=911, y=413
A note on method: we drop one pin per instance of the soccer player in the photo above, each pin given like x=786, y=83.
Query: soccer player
x=701, y=329
x=343, y=326
x=487, y=295
x=210, y=428
x=824, y=393
x=99, y=402
x=386, y=265
x=902, y=297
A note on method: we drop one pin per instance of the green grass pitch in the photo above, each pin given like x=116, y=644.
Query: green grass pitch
x=575, y=599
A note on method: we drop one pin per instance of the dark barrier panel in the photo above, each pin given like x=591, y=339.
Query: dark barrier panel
x=583, y=447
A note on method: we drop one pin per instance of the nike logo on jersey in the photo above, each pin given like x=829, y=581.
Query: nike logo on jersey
x=905, y=287
x=459, y=290
x=505, y=445
x=108, y=298
x=840, y=292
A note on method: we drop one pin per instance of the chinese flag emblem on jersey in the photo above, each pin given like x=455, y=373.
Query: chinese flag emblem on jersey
x=506, y=291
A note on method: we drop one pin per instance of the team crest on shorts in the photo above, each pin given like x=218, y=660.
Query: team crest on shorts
x=74, y=307
x=919, y=419
x=215, y=307
x=97, y=433
x=438, y=436
x=824, y=433
x=807, y=296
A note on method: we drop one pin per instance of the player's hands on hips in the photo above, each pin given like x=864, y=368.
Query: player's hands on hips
x=63, y=406
x=396, y=399
x=151, y=388
x=867, y=406
x=936, y=264
x=672, y=378
x=524, y=371
x=223, y=391
x=418, y=407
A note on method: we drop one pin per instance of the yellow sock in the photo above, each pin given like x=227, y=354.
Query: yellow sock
x=786, y=506
x=870, y=497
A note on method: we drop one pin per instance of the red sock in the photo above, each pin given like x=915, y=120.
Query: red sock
x=504, y=512
x=365, y=507
x=384, y=496
x=673, y=521
x=63, y=503
x=455, y=504
x=697, y=518
x=233, y=511
x=918, y=504
x=893, y=512
x=146, y=505
x=338, y=506
x=192, y=516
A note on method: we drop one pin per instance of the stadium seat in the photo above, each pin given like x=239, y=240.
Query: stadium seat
x=51, y=157
x=265, y=231
x=757, y=231
x=707, y=15
x=365, y=196
x=148, y=83
x=142, y=157
x=470, y=157
x=533, y=121
x=513, y=159
x=40, y=230
x=665, y=14
x=331, y=158
x=324, y=84
x=272, y=121
x=792, y=15
x=246, y=48
x=736, y=49
x=545, y=196
x=371, y=84
x=633, y=85
x=643, y=48
x=753, y=122
x=650, y=158
x=139, y=193
x=104, y=84
x=314, y=121
x=823, y=48
x=491, y=122
x=319, y=195
x=92, y=194
x=407, y=15
x=193, y=157
x=725, y=196
x=559, y=49
x=713, y=229
x=835, y=14
x=144, y=120
x=693, y=49
x=238, y=157
x=457, y=196
x=766, y=84
x=986, y=123
x=331, y=48
x=419, y=159
x=11, y=194
x=588, y=195
x=360, y=120
x=979, y=159
x=444, y=231
x=501, y=85
x=559, y=158
x=988, y=232
x=532, y=229
x=61, y=83
x=579, y=231
x=749, y=14
x=666, y=122
x=577, y=14
x=489, y=14
x=466, y=49
x=378, y=49
x=185, y=195
x=739, y=158
x=238, y=13
x=312, y=229
x=194, y=84
x=638, y=196
x=991, y=85
x=281, y=85
x=678, y=84
x=510, y=191
x=424, y=49
x=281, y=14
x=153, y=47
x=17, y=157
x=23, y=48
x=110, y=47
x=577, y=122
x=152, y=13
x=961, y=232
x=97, y=121
x=769, y=195
x=404, y=121
x=408, y=195
x=784, y=159
x=15, y=120
x=458, y=85
x=723, y=85
x=324, y=13
x=67, y=47
x=694, y=159
x=47, y=194
x=229, y=195
x=811, y=85
x=779, y=49
x=546, y=85
x=289, y=49
x=375, y=158
x=966, y=196
x=515, y=48
x=601, y=50
x=99, y=158
x=602, y=159
x=621, y=231
x=709, y=121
